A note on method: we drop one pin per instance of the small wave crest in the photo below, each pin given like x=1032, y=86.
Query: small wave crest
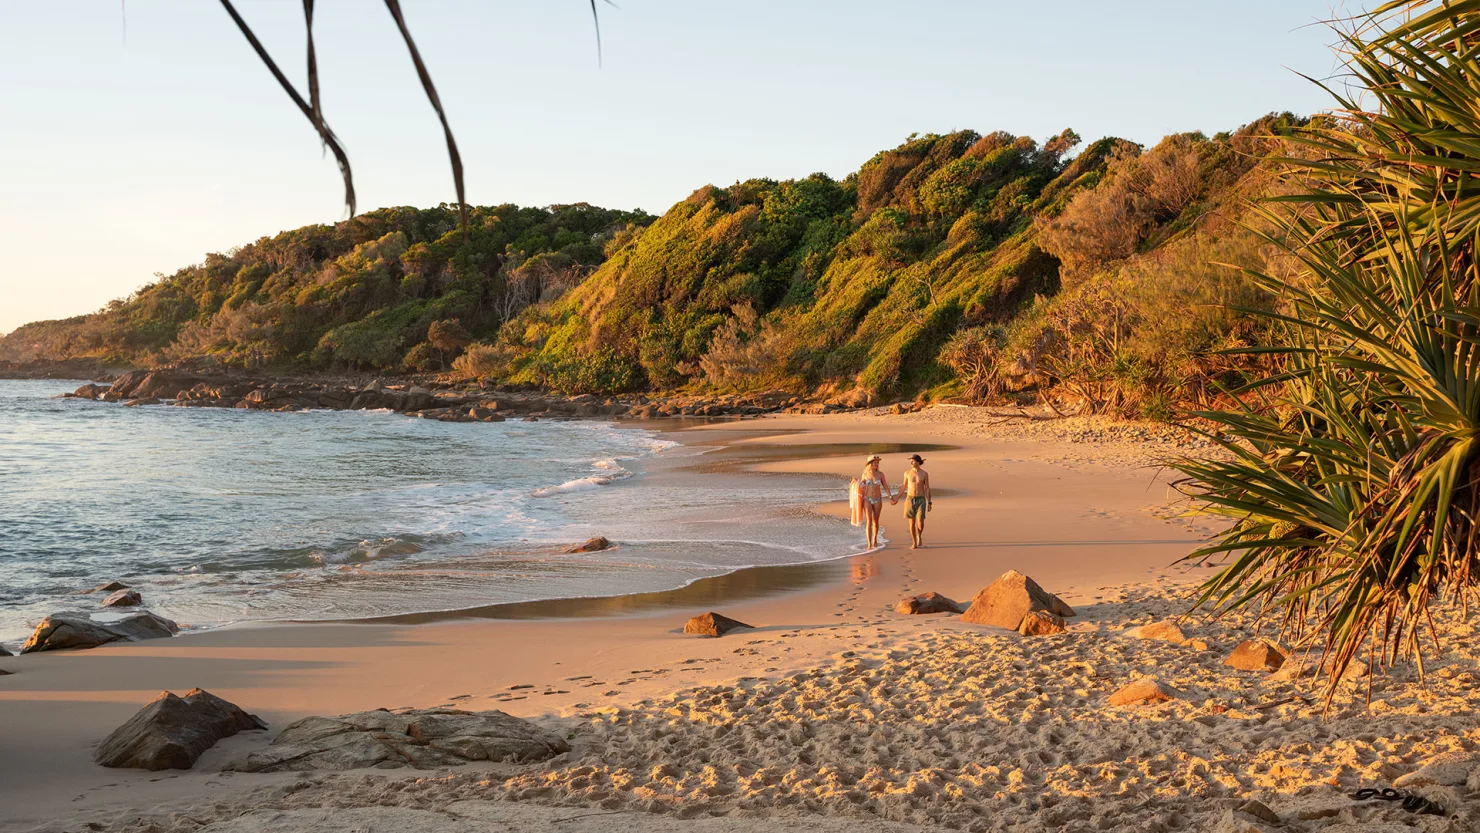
x=613, y=472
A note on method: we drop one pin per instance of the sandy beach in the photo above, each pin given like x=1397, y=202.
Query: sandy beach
x=834, y=713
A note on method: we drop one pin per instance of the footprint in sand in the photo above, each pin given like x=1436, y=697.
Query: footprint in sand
x=521, y=685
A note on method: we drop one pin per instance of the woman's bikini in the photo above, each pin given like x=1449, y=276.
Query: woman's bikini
x=868, y=484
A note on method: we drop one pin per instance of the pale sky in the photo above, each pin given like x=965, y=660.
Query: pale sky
x=135, y=137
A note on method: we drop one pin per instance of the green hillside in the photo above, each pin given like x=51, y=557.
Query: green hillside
x=962, y=264
x=362, y=293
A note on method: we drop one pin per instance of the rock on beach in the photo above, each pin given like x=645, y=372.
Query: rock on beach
x=1255, y=655
x=712, y=624
x=171, y=732
x=1163, y=631
x=1041, y=623
x=419, y=738
x=1005, y=602
x=596, y=544
x=1143, y=691
x=63, y=631
x=925, y=603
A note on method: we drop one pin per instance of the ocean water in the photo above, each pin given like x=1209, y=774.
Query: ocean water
x=223, y=515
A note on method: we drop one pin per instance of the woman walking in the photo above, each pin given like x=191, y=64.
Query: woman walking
x=872, y=489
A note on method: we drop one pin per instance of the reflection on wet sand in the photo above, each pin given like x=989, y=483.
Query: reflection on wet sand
x=750, y=583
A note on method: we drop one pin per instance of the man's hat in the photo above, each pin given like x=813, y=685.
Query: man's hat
x=918, y=459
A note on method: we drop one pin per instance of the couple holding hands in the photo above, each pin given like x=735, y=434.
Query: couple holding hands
x=866, y=498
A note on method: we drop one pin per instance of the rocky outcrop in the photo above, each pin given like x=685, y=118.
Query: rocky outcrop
x=442, y=402
x=925, y=603
x=1143, y=691
x=90, y=391
x=1255, y=655
x=171, y=732
x=1005, y=602
x=124, y=598
x=75, y=631
x=596, y=544
x=384, y=739
x=1041, y=623
x=712, y=624
x=1163, y=631
x=110, y=587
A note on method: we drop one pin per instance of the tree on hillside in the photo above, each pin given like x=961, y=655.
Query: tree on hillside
x=449, y=337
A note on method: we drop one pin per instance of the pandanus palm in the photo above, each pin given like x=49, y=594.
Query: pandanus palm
x=1354, y=480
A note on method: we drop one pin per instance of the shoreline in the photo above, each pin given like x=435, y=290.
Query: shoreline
x=833, y=711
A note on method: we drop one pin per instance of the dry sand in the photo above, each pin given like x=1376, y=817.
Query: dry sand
x=835, y=714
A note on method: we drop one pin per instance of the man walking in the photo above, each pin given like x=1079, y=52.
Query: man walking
x=917, y=499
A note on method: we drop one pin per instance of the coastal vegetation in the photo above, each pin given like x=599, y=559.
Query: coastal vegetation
x=982, y=267
x=393, y=289
x=1353, y=483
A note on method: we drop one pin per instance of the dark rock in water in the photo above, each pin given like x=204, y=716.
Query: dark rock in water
x=420, y=738
x=135, y=403
x=110, y=587
x=712, y=624
x=125, y=385
x=171, y=732
x=124, y=598
x=164, y=384
x=1007, y=600
x=66, y=631
x=90, y=391
x=596, y=544
x=931, y=602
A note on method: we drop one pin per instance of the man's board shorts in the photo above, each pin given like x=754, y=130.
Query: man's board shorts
x=914, y=508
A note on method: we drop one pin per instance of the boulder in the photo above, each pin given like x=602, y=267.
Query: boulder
x=1450, y=769
x=1143, y=691
x=136, y=403
x=1255, y=655
x=65, y=631
x=110, y=587
x=90, y=391
x=931, y=602
x=143, y=626
x=124, y=598
x=1163, y=631
x=712, y=624
x=165, y=384
x=1041, y=623
x=420, y=738
x=124, y=386
x=596, y=544
x=1005, y=602
x=171, y=732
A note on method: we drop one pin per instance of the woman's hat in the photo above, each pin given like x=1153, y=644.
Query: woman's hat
x=872, y=457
